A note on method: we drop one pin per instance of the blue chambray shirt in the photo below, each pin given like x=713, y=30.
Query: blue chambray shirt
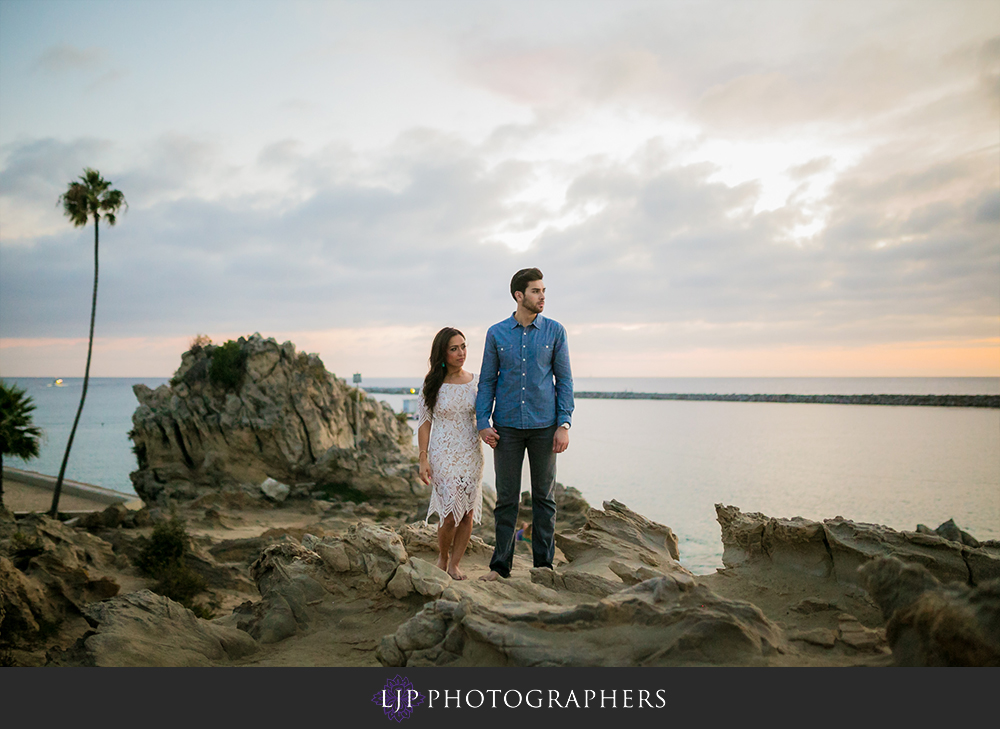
x=525, y=381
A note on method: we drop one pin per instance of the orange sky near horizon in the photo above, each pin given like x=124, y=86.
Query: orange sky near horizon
x=402, y=352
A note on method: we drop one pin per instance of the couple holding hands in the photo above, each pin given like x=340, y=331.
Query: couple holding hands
x=526, y=385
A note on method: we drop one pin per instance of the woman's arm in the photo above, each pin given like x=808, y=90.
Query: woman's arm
x=423, y=438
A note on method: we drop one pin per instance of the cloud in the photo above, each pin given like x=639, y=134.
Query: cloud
x=810, y=168
x=690, y=177
x=412, y=243
x=65, y=58
x=106, y=80
x=32, y=177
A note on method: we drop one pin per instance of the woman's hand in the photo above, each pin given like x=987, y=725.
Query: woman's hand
x=423, y=441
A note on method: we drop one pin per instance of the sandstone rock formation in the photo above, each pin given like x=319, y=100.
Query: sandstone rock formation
x=838, y=547
x=286, y=419
x=614, y=549
x=356, y=586
x=933, y=624
x=286, y=587
x=668, y=620
x=618, y=543
x=621, y=599
x=49, y=573
x=146, y=629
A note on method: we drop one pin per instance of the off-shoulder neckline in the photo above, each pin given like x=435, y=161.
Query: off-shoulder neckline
x=461, y=384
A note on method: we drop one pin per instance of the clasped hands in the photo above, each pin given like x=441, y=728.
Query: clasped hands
x=490, y=437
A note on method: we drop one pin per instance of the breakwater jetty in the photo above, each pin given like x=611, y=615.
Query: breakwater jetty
x=952, y=401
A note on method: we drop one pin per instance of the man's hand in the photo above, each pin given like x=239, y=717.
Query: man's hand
x=561, y=440
x=490, y=437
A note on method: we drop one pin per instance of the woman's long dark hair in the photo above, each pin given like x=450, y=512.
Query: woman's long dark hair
x=438, y=363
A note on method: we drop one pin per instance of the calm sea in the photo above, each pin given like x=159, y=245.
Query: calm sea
x=672, y=461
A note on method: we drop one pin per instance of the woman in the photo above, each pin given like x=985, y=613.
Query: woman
x=451, y=454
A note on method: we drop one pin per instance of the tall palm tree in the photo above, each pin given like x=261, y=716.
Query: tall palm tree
x=90, y=197
x=18, y=436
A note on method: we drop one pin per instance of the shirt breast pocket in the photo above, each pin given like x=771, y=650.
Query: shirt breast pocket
x=508, y=358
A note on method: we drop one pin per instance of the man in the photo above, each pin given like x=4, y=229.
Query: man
x=526, y=384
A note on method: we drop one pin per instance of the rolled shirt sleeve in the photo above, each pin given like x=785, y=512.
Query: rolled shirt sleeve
x=564, y=378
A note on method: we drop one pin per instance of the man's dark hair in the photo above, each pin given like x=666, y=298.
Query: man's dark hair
x=522, y=278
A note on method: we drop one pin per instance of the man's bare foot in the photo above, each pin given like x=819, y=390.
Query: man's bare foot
x=493, y=576
x=457, y=574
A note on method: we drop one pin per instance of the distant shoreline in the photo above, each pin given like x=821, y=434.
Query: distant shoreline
x=954, y=401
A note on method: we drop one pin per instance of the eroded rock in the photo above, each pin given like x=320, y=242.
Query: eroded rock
x=51, y=572
x=838, y=547
x=934, y=624
x=618, y=545
x=146, y=629
x=289, y=422
x=285, y=577
x=418, y=576
x=665, y=621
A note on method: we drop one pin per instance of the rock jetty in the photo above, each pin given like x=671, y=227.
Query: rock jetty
x=953, y=401
x=272, y=421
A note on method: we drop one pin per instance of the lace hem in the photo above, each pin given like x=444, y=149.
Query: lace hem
x=458, y=506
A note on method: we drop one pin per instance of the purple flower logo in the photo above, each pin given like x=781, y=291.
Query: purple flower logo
x=398, y=698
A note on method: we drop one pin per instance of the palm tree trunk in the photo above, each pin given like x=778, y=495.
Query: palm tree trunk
x=54, y=510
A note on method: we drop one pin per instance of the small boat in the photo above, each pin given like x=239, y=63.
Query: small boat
x=57, y=383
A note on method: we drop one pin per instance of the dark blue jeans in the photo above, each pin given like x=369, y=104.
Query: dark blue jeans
x=508, y=457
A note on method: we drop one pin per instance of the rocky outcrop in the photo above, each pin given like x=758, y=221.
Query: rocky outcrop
x=838, y=547
x=146, y=629
x=620, y=546
x=48, y=573
x=295, y=580
x=621, y=599
x=933, y=624
x=614, y=549
x=666, y=621
x=282, y=421
x=287, y=587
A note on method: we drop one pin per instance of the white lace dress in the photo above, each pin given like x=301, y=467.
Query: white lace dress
x=455, y=452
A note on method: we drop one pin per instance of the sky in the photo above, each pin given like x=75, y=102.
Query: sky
x=711, y=189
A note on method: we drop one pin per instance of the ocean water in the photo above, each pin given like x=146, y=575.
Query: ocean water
x=102, y=452
x=672, y=461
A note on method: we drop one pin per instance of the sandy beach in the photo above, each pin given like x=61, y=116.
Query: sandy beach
x=28, y=491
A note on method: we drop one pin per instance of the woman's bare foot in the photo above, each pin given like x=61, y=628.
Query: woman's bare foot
x=493, y=576
x=442, y=563
x=457, y=574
